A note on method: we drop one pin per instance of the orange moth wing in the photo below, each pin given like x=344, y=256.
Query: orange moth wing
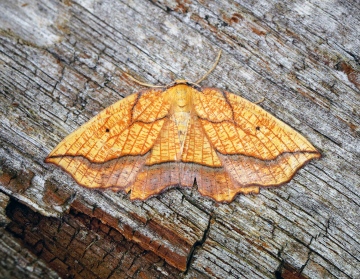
x=159, y=138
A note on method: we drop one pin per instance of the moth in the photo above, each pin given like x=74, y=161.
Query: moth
x=173, y=135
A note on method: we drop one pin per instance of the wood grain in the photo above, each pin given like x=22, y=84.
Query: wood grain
x=62, y=63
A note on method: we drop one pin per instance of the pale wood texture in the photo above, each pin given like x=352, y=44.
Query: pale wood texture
x=63, y=62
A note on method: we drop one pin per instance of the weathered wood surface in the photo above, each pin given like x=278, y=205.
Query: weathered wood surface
x=62, y=62
x=15, y=261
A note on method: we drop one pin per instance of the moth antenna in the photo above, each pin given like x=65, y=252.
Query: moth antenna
x=143, y=83
x=260, y=101
x=211, y=69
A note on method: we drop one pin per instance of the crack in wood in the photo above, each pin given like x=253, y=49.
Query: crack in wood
x=197, y=245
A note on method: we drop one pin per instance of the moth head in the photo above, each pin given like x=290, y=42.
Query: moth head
x=180, y=97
